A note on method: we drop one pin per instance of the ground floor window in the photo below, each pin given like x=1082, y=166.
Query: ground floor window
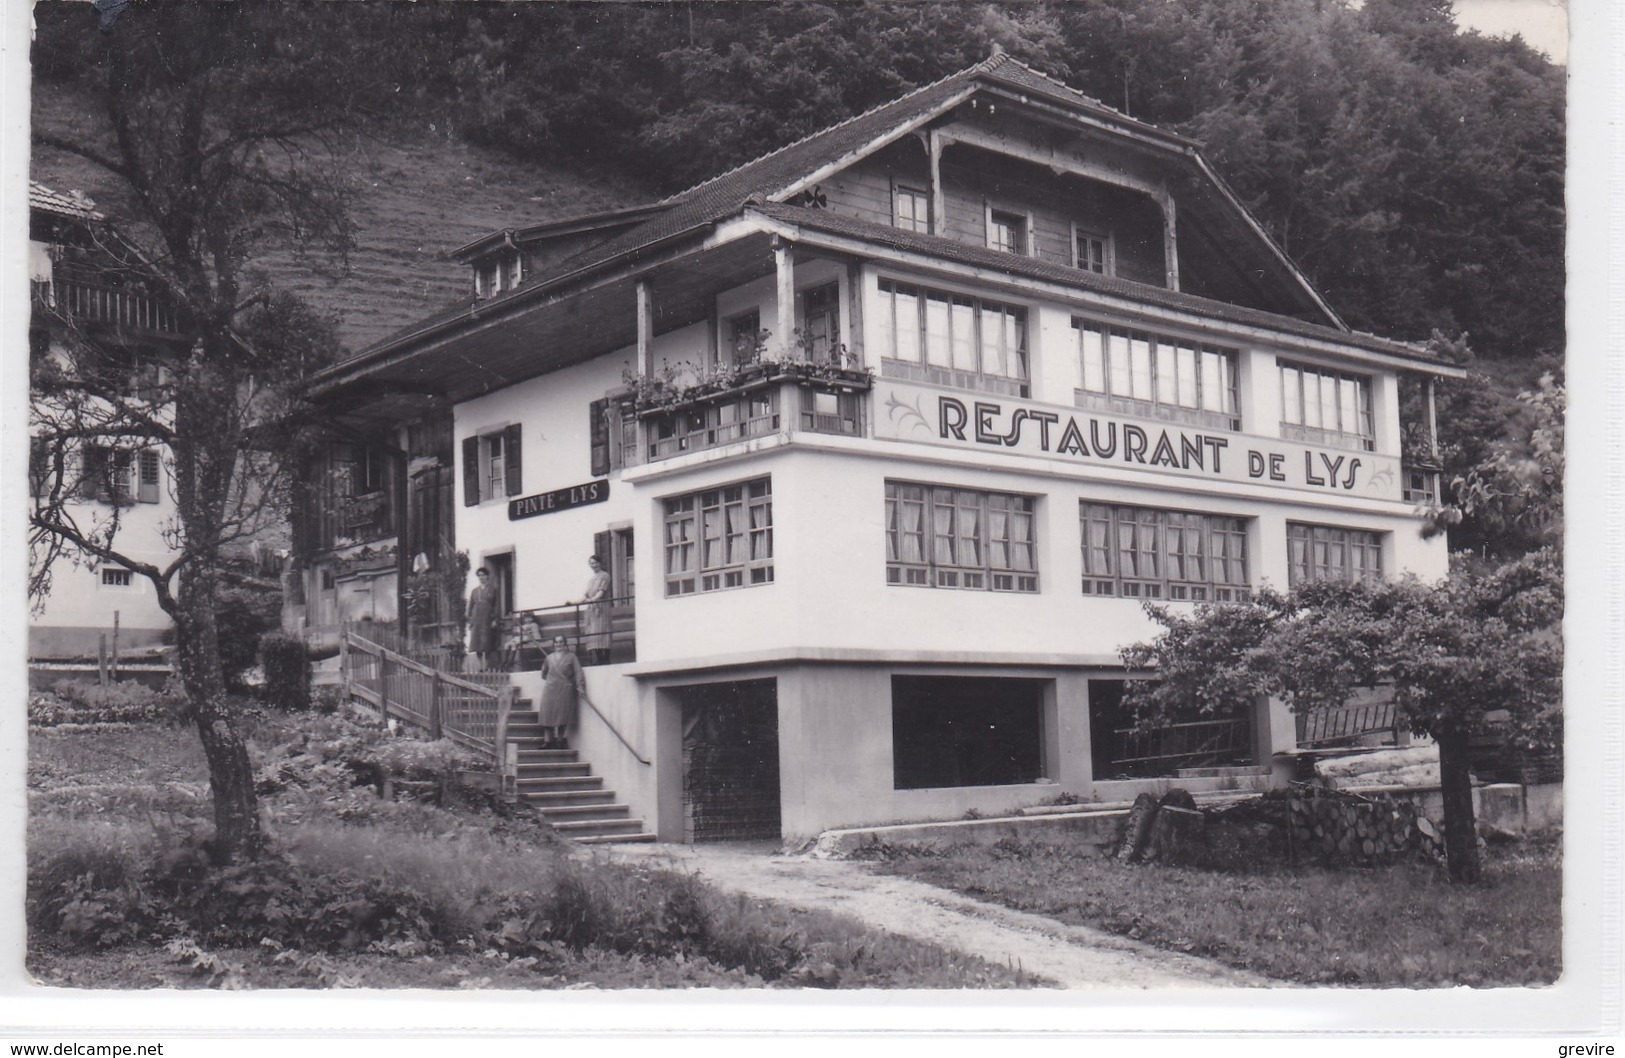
x=965, y=731
x=1324, y=552
x=1141, y=553
x=730, y=761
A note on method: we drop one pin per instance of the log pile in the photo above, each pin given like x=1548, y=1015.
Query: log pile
x=1340, y=829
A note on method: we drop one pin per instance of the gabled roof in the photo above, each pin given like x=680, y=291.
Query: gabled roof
x=75, y=205
x=776, y=176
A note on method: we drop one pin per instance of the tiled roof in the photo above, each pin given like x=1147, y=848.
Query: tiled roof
x=1014, y=264
x=75, y=204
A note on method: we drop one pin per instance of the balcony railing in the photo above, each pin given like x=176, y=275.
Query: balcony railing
x=526, y=633
x=772, y=398
x=94, y=303
x=1198, y=744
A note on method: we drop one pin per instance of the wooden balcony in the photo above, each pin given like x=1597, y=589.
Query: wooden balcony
x=765, y=399
x=82, y=302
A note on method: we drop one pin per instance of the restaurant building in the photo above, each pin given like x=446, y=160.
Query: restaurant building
x=884, y=439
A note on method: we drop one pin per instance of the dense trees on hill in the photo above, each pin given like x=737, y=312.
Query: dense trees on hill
x=1414, y=170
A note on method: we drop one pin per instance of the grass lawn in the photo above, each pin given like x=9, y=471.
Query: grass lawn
x=360, y=892
x=1405, y=926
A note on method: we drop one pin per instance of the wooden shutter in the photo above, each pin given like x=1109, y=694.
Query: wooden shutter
x=510, y=453
x=598, y=432
x=93, y=472
x=147, y=490
x=471, y=471
x=601, y=548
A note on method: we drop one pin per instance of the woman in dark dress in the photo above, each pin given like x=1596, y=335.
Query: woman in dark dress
x=563, y=687
x=484, y=631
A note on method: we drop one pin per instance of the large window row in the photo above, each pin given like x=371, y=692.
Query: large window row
x=953, y=339
x=720, y=538
x=1135, y=373
x=1324, y=552
x=1326, y=407
x=941, y=537
x=1143, y=553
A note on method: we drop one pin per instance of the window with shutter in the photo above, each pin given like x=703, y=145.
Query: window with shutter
x=510, y=444
x=471, y=471
x=149, y=477
x=599, y=435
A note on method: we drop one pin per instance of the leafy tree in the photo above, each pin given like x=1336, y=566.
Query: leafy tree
x=1454, y=654
x=215, y=126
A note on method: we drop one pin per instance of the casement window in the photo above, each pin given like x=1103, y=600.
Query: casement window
x=911, y=208
x=117, y=578
x=741, y=336
x=1136, y=373
x=942, y=537
x=1008, y=232
x=821, y=323
x=1144, y=553
x=1091, y=252
x=1326, y=407
x=491, y=466
x=1324, y=552
x=719, y=538
x=953, y=339
x=120, y=475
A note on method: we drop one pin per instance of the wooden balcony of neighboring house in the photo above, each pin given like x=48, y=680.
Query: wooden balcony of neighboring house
x=77, y=300
x=1420, y=480
x=755, y=400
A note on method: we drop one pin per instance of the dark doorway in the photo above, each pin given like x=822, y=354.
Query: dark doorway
x=965, y=731
x=730, y=761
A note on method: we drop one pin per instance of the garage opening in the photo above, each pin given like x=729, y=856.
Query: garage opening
x=730, y=761
x=966, y=731
x=1119, y=750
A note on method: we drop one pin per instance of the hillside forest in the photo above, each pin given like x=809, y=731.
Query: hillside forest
x=1413, y=169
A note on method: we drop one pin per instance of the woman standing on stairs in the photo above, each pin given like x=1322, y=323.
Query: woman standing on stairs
x=563, y=687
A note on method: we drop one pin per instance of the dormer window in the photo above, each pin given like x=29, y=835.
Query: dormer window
x=497, y=273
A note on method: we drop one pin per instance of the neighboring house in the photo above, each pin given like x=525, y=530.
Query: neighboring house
x=884, y=439
x=89, y=295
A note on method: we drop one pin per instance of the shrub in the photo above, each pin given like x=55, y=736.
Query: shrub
x=79, y=702
x=287, y=671
x=241, y=617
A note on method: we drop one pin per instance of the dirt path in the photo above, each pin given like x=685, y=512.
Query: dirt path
x=1071, y=956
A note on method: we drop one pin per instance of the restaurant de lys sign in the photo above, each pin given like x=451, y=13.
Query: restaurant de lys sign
x=925, y=415
x=558, y=500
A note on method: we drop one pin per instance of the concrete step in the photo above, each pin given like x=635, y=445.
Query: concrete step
x=598, y=827
x=568, y=813
x=570, y=798
x=566, y=782
x=548, y=756
x=643, y=837
x=553, y=768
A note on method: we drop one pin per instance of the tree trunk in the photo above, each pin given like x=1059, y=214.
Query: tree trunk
x=1456, y=786
x=231, y=774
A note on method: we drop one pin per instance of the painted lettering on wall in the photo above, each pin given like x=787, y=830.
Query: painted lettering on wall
x=1116, y=441
x=558, y=500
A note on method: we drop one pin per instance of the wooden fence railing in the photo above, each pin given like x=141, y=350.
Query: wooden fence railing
x=471, y=709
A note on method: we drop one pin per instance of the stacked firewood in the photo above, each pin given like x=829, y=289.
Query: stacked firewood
x=1338, y=828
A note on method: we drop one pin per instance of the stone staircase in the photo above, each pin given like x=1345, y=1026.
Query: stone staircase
x=563, y=789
